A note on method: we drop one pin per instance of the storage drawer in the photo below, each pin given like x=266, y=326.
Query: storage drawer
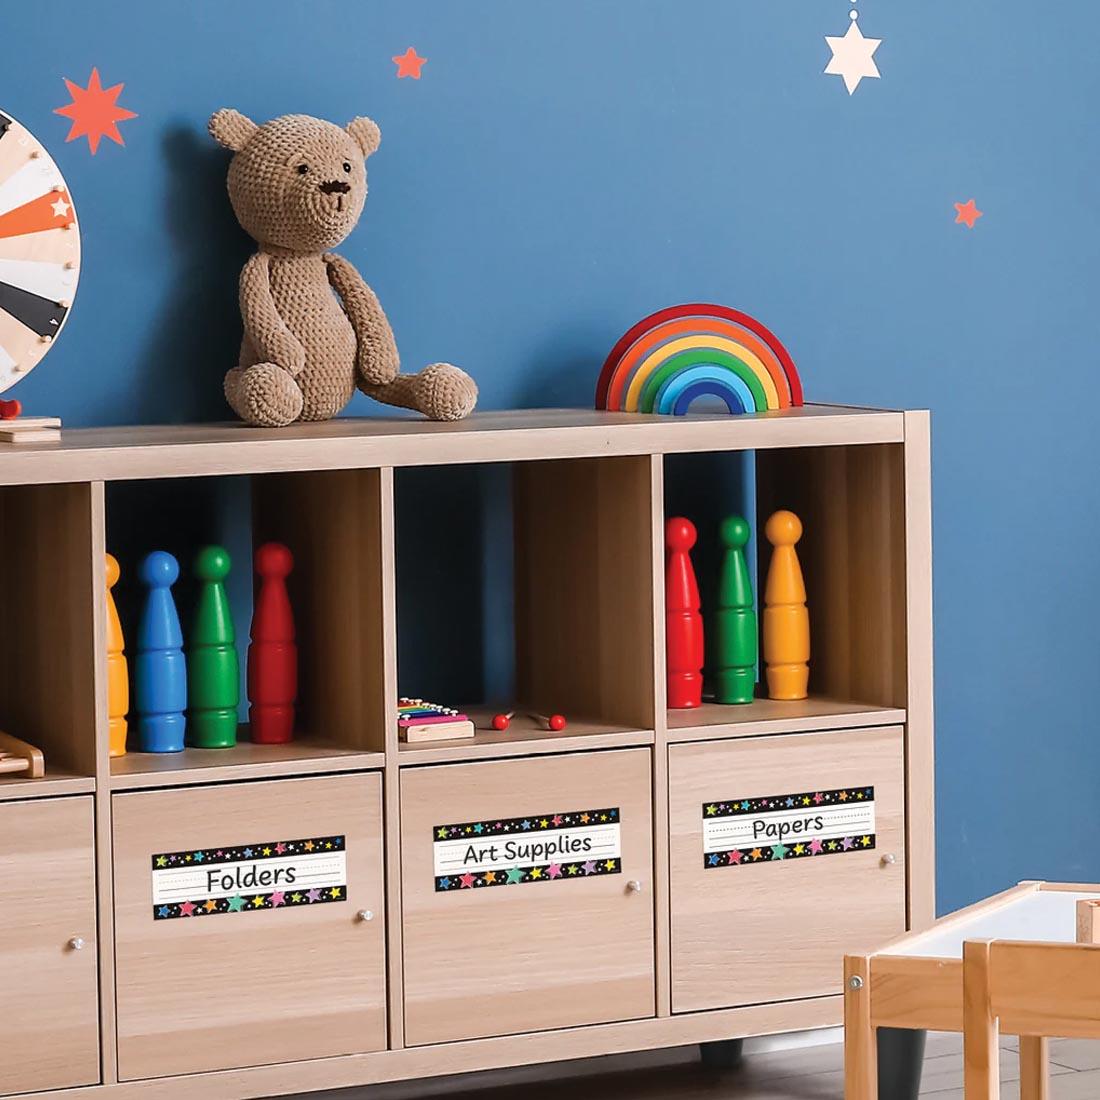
x=48, y=997
x=239, y=939
x=786, y=853
x=527, y=894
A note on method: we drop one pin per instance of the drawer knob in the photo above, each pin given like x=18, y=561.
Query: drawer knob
x=888, y=859
x=634, y=886
x=77, y=943
x=365, y=914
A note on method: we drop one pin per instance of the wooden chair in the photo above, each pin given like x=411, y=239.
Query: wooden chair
x=1033, y=990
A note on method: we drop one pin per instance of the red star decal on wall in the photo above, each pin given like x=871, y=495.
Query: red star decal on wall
x=94, y=111
x=409, y=63
x=968, y=213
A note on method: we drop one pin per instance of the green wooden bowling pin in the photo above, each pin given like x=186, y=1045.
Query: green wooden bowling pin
x=213, y=675
x=735, y=619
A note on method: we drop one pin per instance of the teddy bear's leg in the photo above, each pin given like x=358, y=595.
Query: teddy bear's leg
x=323, y=397
x=264, y=395
x=440, y=392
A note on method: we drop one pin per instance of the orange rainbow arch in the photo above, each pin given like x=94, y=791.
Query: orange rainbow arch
x=671, y=357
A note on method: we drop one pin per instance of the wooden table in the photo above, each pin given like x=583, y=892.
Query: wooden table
x=916, y=981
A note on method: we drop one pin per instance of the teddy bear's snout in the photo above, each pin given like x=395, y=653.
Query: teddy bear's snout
x=335, y=187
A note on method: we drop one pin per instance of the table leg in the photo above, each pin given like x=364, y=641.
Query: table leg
x=860, y=1054
x=900, y=1061
x=1034, y=1067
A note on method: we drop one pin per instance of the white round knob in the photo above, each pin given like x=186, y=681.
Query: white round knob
x=634, y=886
x=365, y=914
x=77, y=943
x=888, y=859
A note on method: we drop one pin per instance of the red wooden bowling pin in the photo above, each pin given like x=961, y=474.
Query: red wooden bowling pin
x=683, y=623
x=272, y=656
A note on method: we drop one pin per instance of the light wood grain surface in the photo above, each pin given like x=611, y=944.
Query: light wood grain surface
x=584, y=583
x=48, y=644
x=332, y=523
x=530, y=956
x=774, y=930
x=118, y=454
x=48, y=994
x=240, y=989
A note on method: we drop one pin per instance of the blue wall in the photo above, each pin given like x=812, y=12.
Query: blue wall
x=563, y=168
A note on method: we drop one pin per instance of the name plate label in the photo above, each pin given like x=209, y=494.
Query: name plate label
x=780, y=827
x=554, y=847
x=272, y=874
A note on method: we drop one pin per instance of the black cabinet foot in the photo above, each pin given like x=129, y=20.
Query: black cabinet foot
x=722, y=1055
x=900, y=1059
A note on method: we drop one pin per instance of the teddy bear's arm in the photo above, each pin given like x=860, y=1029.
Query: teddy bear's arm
x=376, y=359
x=272, y=341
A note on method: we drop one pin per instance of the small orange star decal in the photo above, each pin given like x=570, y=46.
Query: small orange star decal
x=968, y=213
x=409, y=63
x=94, y=111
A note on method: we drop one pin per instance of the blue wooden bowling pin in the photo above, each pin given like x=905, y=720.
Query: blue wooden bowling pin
x=160, y=672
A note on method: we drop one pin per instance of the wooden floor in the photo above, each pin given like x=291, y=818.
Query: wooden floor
x=810, y=1073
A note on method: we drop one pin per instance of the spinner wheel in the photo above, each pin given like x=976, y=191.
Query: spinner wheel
x=39, y=251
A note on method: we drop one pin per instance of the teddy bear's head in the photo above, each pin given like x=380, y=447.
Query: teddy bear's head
x=296, y=182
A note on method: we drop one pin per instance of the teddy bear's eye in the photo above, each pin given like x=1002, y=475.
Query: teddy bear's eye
x=347, y=167
x=303, y=169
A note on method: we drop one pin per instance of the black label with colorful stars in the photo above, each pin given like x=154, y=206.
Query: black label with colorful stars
x=775, y=828
x=551, y=847
x=240, y=878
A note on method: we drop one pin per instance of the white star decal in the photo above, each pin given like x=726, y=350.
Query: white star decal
x=60, y=208
x=852, y=57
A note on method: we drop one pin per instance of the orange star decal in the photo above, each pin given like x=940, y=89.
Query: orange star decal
x=409, y=63
x=94, y=111
x=967, y=212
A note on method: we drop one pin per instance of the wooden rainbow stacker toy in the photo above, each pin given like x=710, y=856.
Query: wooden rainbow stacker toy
x=348, y=907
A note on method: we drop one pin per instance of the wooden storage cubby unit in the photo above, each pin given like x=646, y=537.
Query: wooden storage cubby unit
x=47, y=648
x=334, y=523
x=851, y=500
x=545, y=568
x=511, y=559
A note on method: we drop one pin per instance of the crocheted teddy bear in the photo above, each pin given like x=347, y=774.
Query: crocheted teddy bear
x=313, y=330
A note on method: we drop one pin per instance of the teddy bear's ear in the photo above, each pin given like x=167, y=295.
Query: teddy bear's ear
x=366, y=133
x=230, y=128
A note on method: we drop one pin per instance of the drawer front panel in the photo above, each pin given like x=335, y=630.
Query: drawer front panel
x=233, y=953
x=786, y=853
x=544, y=919
x=48, y=996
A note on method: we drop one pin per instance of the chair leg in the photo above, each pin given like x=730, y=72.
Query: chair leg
x=981, y=1077
x=1034, y=1067
x=860, y=1054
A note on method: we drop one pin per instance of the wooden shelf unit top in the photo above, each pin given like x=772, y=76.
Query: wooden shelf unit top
x=163, y=451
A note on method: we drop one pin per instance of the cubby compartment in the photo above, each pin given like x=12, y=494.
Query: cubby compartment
x=528, y=587
x=851, y=501
x=527, y=894
x=337, y=524
x=786, y=852
x=249, y=924
x=48, y=535
x=48, y=945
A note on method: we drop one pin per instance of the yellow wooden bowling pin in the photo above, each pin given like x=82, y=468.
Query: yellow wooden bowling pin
x=118, y=682
x=786, y=620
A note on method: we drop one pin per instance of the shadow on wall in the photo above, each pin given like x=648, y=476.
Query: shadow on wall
x=201, y=326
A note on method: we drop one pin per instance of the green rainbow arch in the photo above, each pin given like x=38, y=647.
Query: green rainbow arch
x=715, y=358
